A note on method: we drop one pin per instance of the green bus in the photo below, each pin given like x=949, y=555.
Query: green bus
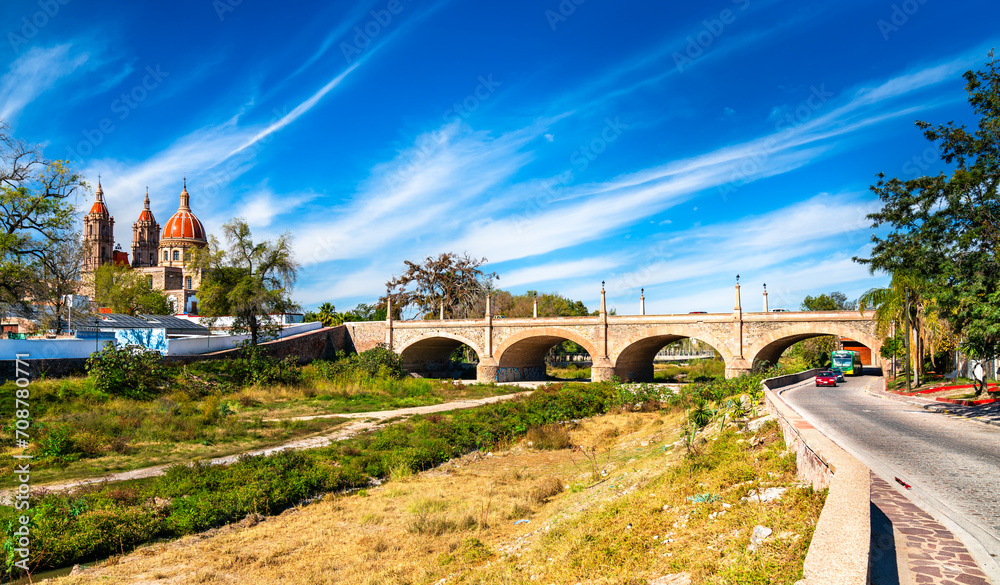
x=848, y=362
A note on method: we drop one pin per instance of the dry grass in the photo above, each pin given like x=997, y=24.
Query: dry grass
x=463, y=521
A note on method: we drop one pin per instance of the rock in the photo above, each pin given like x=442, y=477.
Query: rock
x=760, y=533
x=252, y=519
x=756, y=423
x=77, y=570
x=767, y=495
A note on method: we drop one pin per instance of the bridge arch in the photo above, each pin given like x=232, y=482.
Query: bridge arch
x=521, y=357
x=769, y=347
x=634, y=358
x=433, y=351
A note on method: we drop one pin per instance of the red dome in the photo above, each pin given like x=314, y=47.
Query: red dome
x=184, y=225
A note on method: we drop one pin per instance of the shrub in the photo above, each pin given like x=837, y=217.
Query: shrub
x=253, y=366
x=131, y=371
x=378, y=362
x=105, y=520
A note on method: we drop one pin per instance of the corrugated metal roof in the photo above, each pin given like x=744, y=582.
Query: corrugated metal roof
x=119, y=321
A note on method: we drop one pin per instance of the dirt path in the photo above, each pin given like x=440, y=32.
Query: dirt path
x=365, y=421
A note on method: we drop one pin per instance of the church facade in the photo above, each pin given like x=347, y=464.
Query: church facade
x=159, y=255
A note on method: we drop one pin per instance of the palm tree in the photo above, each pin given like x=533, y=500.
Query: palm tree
x=907, y=300
x=327, y=315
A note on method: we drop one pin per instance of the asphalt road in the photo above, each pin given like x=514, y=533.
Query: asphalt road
x=952, y=464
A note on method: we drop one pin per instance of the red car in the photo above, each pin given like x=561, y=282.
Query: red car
x=826, y=379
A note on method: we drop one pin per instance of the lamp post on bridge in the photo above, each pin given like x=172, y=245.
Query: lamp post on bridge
x=534, y=310
x=642, y=301
x=765, y=297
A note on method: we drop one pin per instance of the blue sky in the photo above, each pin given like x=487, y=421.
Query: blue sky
x=666, y=146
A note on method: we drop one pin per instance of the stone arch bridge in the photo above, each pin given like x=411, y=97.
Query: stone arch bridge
x=514, y=349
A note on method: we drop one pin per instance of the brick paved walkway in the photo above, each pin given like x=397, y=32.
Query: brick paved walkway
x=933, y=555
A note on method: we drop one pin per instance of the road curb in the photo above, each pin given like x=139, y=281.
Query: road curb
x=840, y=548
x=926, y=404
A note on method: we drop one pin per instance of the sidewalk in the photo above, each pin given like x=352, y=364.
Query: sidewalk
x=932, y=553
x=985, y=413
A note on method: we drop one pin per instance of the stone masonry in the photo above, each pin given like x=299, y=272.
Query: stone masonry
x=623, y=346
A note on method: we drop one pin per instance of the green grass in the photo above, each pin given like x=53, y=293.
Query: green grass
x=106, y=519
x=697, y=370
x=569, y=372
x=78, y=431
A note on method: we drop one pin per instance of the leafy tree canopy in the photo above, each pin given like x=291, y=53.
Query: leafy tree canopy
x=549, y=305
x=945, y=229
x=247, y=280
x=57, y=278
x=457, y=281
x=127, y=291
x=35, y=212
x=835, y=301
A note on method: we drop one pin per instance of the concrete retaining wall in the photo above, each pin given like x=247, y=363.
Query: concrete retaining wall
x=47, y=349
x=306, y=347
x=214, y=343
x=841, y=544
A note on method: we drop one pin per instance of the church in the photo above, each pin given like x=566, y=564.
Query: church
x=159, y=256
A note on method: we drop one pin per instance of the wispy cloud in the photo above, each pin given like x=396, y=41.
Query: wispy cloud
x=35, y=72
x=429, y=188
x=219, y=154
x=462, y=199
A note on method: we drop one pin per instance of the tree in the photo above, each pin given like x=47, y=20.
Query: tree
x=127, y=291
x=327, y=315
x=549, y=305
x=457, y=281
x=34, y=213
x=817, y=351
x=945, y=229
x=907, y=302
x=247, y=281
x=59, y=278
x=835, y=301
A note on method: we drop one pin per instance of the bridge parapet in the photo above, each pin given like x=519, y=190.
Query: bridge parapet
x=619, y=345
